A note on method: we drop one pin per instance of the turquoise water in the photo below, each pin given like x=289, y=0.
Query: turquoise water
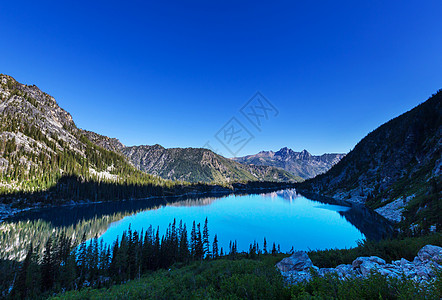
x=282, y=217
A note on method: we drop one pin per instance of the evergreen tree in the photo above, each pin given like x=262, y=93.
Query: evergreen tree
x=193, y=238
x=215, y=247
x=206, y=243
x=184, y=245
x=199, y=251
x=274, y=249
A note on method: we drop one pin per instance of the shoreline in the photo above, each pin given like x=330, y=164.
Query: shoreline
x=7, y=211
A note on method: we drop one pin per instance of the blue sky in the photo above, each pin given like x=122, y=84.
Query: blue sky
x=174, y=73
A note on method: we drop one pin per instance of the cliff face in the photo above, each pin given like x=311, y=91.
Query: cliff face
x=395, y=169
x=301, y=164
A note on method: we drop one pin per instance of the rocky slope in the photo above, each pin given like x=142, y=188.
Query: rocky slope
x=111, y=144
x=301, y=164
x=198, y=164
x=396, y=169
x=42, y=149
x=422, y=269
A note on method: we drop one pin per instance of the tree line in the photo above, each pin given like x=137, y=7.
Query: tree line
x=63, y=265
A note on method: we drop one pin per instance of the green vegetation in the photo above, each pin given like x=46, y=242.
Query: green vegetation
x=389, y=249
x=253, y=279
x=375, y=286
x=218, y=279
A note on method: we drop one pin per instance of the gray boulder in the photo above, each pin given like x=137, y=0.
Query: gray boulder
x=430, y=253
x=298, y=261
x=367, y=264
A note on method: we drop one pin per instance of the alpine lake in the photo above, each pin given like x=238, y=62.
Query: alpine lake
x=283, y=217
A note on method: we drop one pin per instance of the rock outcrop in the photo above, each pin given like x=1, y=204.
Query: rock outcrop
x=298, y=267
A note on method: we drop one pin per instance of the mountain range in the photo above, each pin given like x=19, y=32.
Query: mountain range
x=301, y=164
x=190, y=164
x=41, y=147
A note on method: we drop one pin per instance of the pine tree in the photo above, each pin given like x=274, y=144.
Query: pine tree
x=184, y=245
x=215, y=247
x=206, y=243
x=199, y=251
x=193, y=241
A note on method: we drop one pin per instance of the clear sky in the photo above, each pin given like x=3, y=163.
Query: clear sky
x=174, y=73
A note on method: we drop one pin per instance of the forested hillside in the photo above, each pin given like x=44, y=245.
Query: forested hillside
x=41, y=149
x=396, y=169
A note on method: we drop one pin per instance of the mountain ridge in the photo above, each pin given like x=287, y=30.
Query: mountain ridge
x=190, y=164
x=302, y=164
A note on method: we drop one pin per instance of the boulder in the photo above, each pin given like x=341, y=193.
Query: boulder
x=430, y=253
x=298, y=261
x=345, y=271
x=372, y=259
x=367, y=264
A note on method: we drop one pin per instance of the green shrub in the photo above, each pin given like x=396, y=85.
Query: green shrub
x=390, y=249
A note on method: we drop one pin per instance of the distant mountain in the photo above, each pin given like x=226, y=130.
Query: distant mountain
x=198, y=164
x=396, y=169
x=301, y=164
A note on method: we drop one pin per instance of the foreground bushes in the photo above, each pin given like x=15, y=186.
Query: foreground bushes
x=392, y=249
x=232, y=279
x=255, y=279
x=375, y=286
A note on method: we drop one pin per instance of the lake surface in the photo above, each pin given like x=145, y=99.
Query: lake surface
x=284, y=217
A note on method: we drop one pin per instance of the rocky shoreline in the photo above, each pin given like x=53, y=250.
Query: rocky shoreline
x=299, y=267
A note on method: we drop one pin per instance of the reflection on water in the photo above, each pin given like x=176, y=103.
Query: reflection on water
x=283, y=217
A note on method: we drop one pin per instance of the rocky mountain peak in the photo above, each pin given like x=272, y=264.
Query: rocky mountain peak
x=304, y=154
x=301, y=164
